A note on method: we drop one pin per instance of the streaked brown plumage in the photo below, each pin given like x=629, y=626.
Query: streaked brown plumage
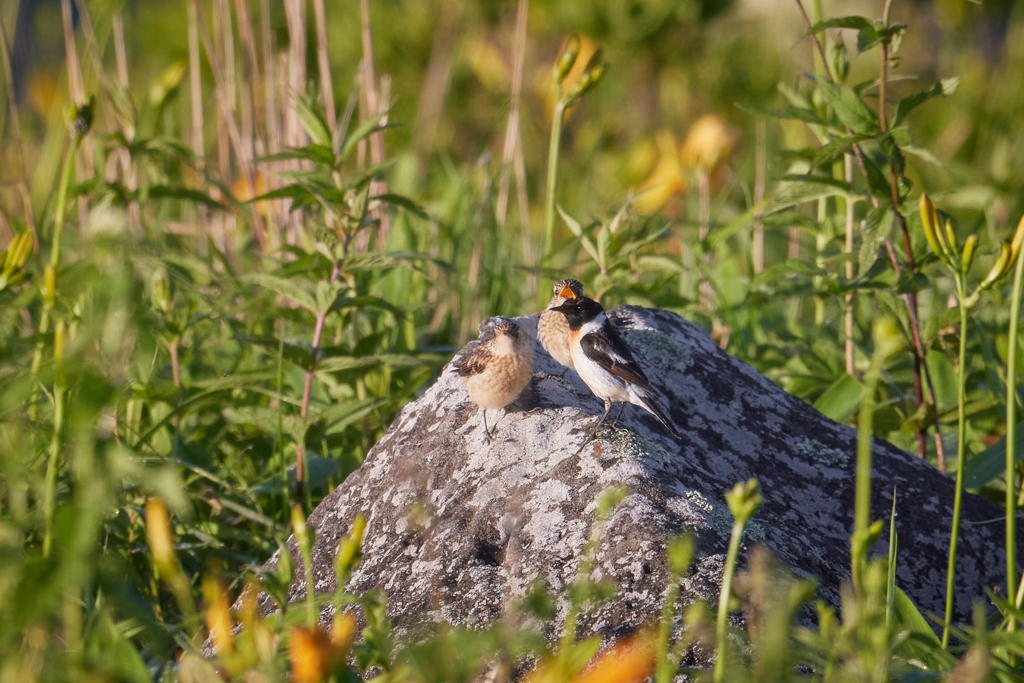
x=499, y=368
x=552, y=328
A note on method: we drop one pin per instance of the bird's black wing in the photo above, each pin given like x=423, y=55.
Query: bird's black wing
x=476, y=363
x=607, y=348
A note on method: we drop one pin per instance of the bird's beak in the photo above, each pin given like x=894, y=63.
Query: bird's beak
x=567, y=293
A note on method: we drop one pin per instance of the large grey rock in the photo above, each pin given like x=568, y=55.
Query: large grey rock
x=490, y=520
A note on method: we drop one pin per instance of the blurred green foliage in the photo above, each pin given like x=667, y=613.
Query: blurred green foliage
x=216, y=314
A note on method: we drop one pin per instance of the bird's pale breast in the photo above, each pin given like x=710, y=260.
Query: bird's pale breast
x=553, y=333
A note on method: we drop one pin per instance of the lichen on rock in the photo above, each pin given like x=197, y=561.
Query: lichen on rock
x=458, y=529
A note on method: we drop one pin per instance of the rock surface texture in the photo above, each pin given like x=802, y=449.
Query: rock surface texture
x=491, y=519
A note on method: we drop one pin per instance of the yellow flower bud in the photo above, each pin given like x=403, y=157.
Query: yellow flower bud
x=970, y=244
x=1002, y=265
x=161, y=544
x=568, y=57
x=929, y=221
x=951, y=240
x=1018, y=240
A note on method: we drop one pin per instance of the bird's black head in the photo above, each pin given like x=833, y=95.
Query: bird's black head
x=580, y=311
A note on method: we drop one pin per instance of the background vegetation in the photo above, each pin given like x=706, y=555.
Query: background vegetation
x=241, y=235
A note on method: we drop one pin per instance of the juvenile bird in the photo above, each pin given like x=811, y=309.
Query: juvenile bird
x=499, y=368
x=552, y=328
x=603, y=360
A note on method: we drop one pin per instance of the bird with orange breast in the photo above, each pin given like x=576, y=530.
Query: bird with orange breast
x=604, y=362
x=552, y=328
x=499, y=368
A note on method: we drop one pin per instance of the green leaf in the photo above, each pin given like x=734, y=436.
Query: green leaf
x=573, y=224
x=848, y=107
x=297, y=193
x=892, y=150
x=919, y=640
x=314, y=121
x=991, y=462
x=363, y=131
x=891, y=583
x=877, y=182
x=858, y=23
x=320, y=154
x=835, y=147
x=941, y=89
x=187, y=194
x=840, y=401
x=873, y=233
x=790, y=267
x=284, y=287
x=341, y=415
x=404, y=202
x=794, y=190
x=792, y=113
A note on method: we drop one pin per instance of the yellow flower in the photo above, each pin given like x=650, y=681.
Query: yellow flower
x=631, y=659
x=666, y=181
x=218, y=618
x=314, y=654
x=707, y=144
x=487, y=64
x=161, y=543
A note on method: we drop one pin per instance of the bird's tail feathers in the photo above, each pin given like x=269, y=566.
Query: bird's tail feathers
x=647, y=402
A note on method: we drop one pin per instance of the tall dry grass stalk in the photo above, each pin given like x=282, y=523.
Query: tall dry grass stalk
x=512, y=128
x=324, y=64
x=374, y=106
x=198, y=145
x=295, y=85
x=77, y=87
x=19, y=148
x=437, y=79
x=224, y=109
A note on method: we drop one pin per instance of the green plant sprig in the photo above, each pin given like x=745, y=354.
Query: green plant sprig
x=940, y=232
x=591, y=76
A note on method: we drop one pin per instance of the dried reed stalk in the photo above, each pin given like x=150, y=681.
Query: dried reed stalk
x=324, y=64
x=295, y=136
x=198, y=145
x=512, y=129
x=26, y=200
x=374, y=106
x=120, y=54
x=77, y=88
x=223, y=109
x=438, y=78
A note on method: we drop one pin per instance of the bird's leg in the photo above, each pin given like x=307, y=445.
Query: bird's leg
x=487, y=432
x=622, y=406
x=607, y=407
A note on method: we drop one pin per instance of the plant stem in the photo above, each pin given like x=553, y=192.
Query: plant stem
x=1011, y=437
x=556, y=140
x=862, y=496
x=58, y=228
x=49, y=503
x=722, y=623
x=961, y=456
x=300, y=450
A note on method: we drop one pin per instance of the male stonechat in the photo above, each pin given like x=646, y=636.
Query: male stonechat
x=552, y=328
x=499, y=368
x=604, y=362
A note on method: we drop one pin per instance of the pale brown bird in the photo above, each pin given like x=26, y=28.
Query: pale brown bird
x=552, y=328
x=499, y=368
